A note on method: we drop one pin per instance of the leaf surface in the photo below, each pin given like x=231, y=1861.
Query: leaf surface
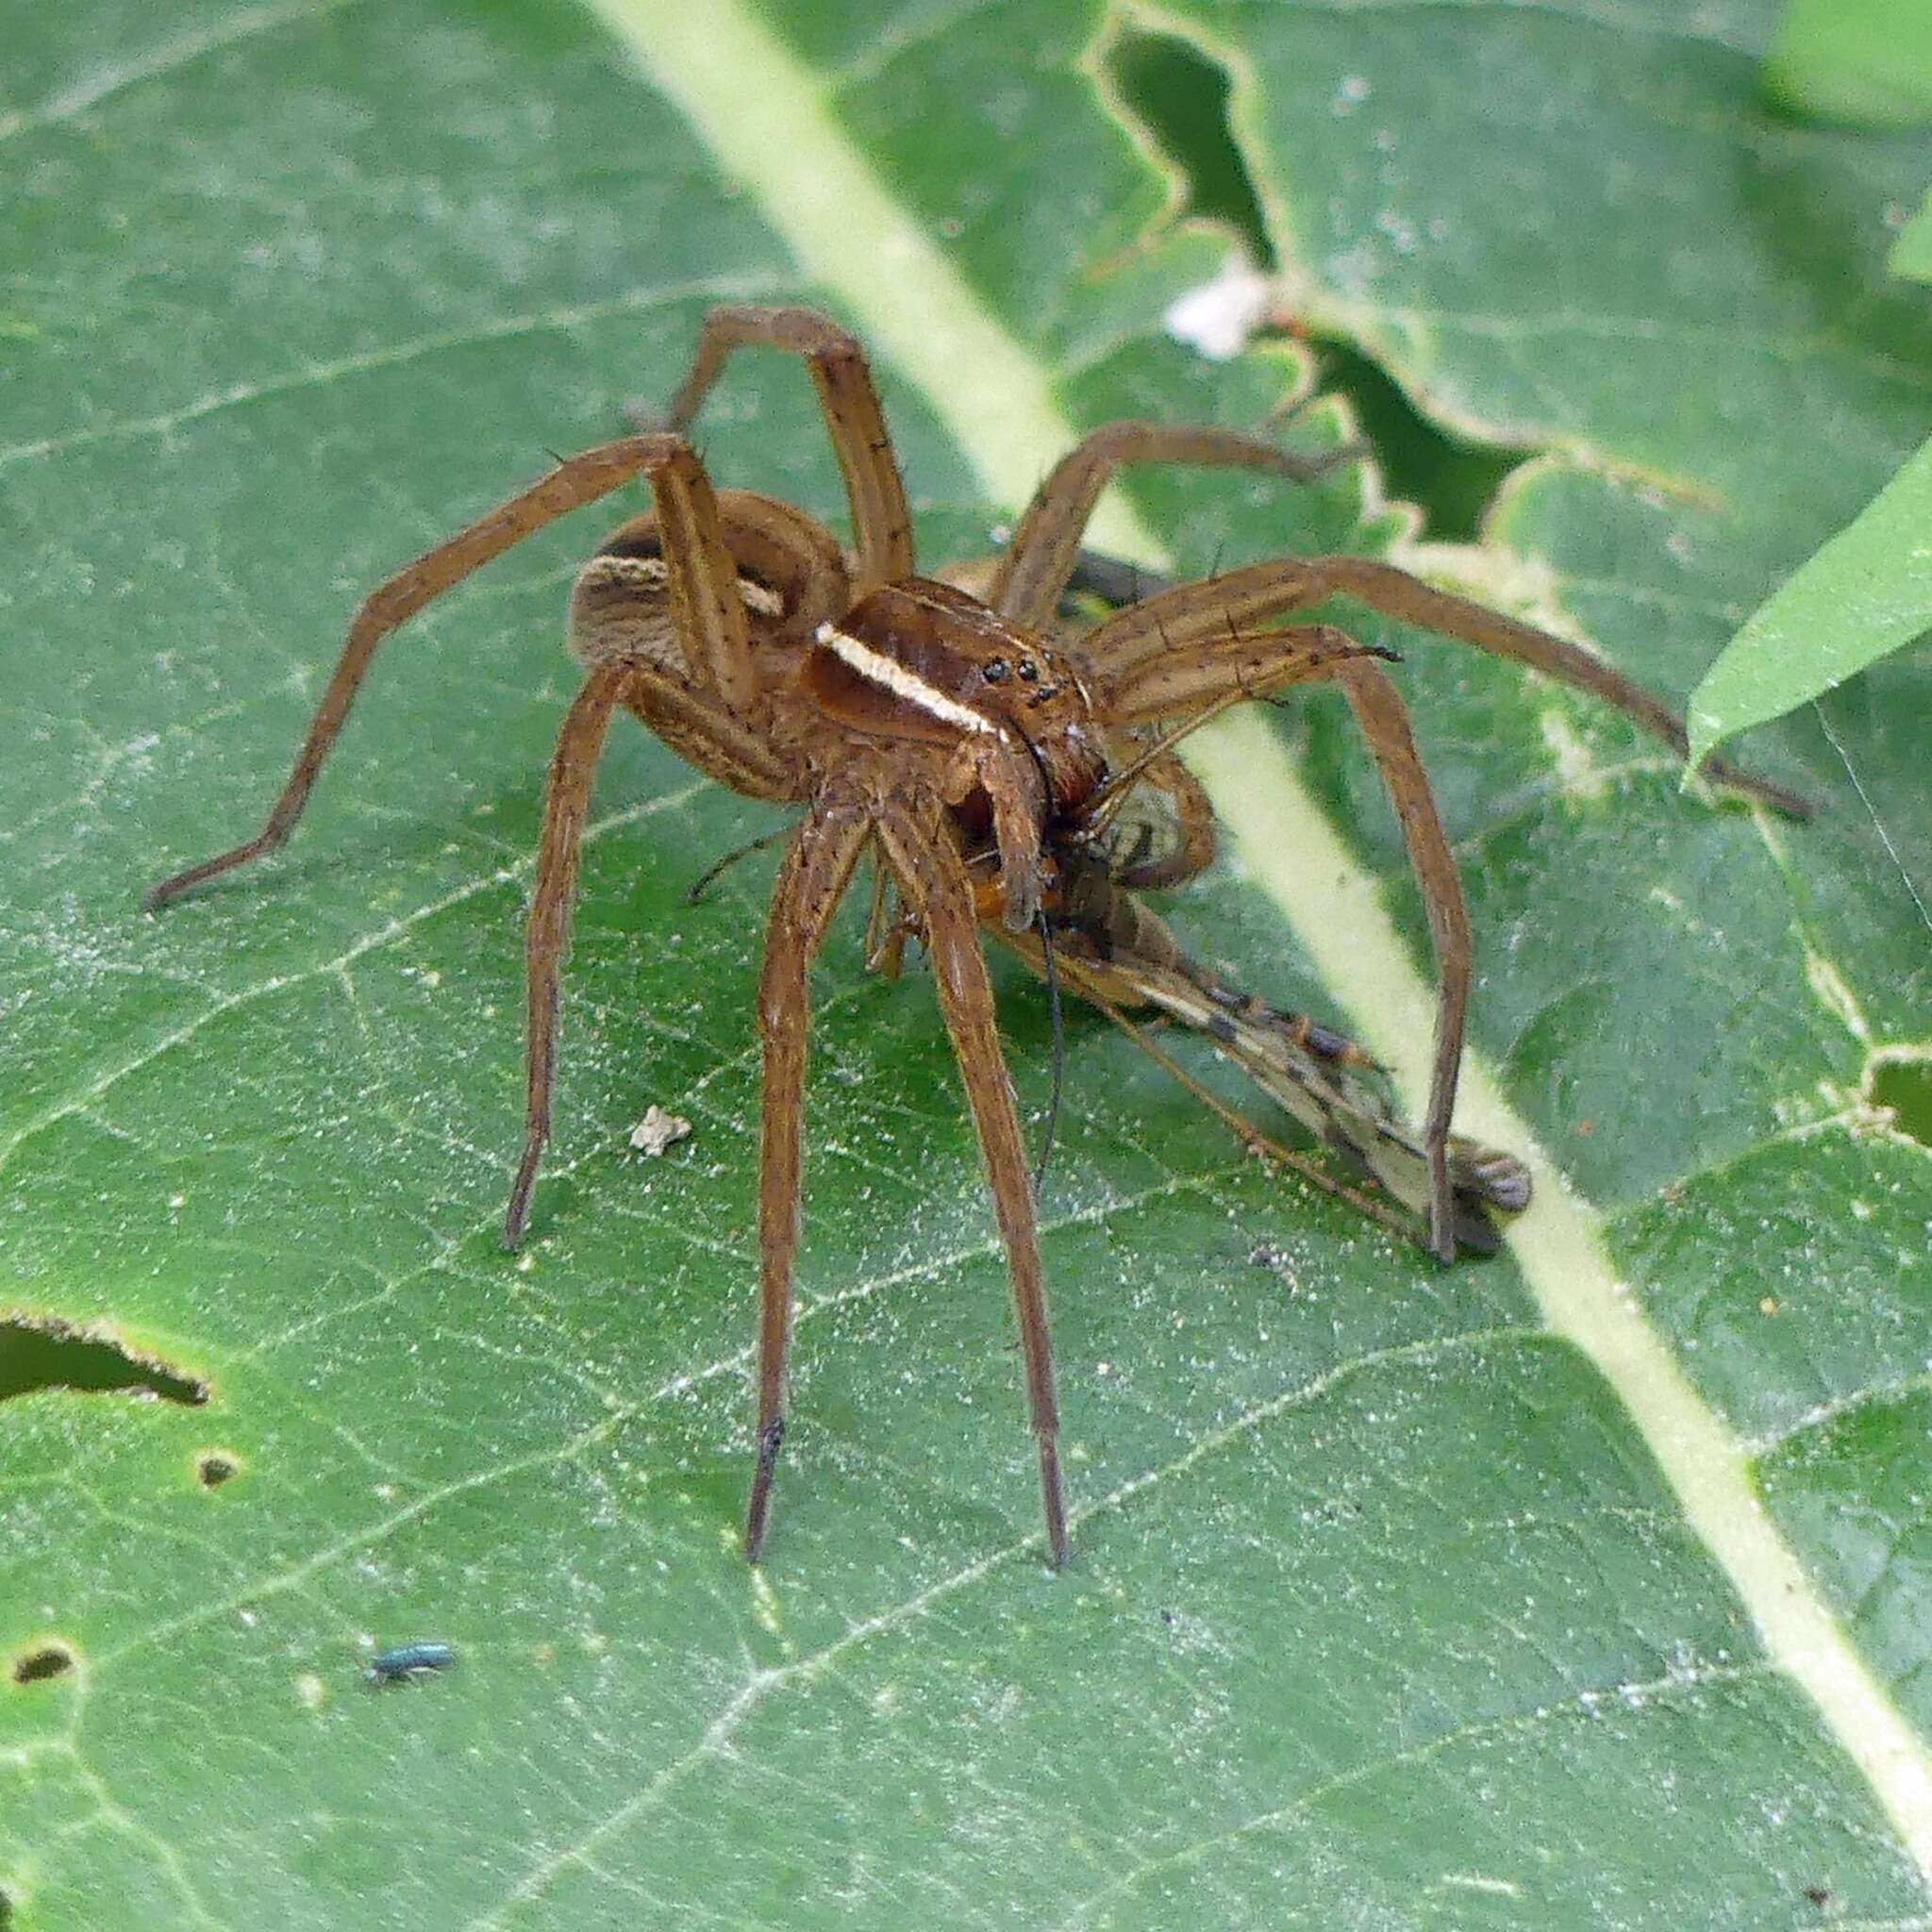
x=1393, y=1606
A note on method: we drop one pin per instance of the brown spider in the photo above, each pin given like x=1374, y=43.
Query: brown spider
x=956, y=739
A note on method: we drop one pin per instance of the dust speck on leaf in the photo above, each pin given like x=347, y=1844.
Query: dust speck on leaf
x=658, y=1130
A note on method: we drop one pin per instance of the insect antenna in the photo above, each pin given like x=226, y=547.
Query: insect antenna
x=696, y=891
x=1051, y=973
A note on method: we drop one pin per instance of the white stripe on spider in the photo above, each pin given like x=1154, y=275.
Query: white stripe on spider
x=887, y=671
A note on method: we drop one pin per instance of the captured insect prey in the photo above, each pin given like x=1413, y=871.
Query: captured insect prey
x=1001, y=774
x=1116, y=953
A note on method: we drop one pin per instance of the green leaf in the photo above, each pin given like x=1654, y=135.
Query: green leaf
x=1584, y=1588
x=1865, y=595
x=1911, y=254
x=1867, y=62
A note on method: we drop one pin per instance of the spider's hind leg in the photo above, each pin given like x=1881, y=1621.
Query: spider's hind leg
x=939, y=891
x=881, y=524
x=566, y=805
x=718, y=645
x=817, y=868
x=1044, y=553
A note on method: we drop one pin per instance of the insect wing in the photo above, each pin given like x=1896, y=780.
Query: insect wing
x=1347, y=1109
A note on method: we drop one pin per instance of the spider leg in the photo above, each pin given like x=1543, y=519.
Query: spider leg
x=1383, y=719
x=881, y=525
x=702, y=589
x=1396, y=593
x=1196, y=680
x=1038, y=563
x=1196, y=612
x=939, y=891
x=817, y=868
x=566, y=805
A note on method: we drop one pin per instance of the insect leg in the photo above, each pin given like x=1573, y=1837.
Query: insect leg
x=1122, y=959
x=1195, y=679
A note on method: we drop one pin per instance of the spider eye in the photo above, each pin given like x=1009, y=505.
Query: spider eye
x=995, y=671
x=1028, y=669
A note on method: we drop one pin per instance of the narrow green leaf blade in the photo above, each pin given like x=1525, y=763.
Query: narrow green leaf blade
x=1911, y=254
x=1867, y=62
x=1866, y=594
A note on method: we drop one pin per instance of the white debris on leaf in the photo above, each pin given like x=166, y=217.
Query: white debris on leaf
x=1220, y=316
x=658, y=1130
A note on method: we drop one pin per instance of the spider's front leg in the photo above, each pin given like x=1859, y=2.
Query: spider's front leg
x=1194, y=613
x=1183, y=652
x=1195, y=680
x=1037, y=565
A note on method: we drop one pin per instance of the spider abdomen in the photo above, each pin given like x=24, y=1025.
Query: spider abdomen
x=790, y=577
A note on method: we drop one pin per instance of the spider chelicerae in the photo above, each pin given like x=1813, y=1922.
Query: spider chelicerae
x=984, y=761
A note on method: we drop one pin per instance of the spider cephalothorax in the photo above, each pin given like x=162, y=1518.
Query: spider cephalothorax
x=958, y=741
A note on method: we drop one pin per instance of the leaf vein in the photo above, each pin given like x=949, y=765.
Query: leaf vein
x=383, y=936
x=392, y=355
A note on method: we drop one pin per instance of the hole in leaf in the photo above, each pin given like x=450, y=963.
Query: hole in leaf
x=1452, y=482
x=1179, y=95
x=56, y=1355
x=1180, y=98
x=1905, y=1087
x=214, y=1468
x=38, y=1665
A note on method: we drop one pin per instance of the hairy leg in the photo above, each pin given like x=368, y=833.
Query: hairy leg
x=1192, y=614
x=939, y=891
x=881, y=527
x=566, y=805
x=1044, y=553
x=702, y=587
x=817, y=868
